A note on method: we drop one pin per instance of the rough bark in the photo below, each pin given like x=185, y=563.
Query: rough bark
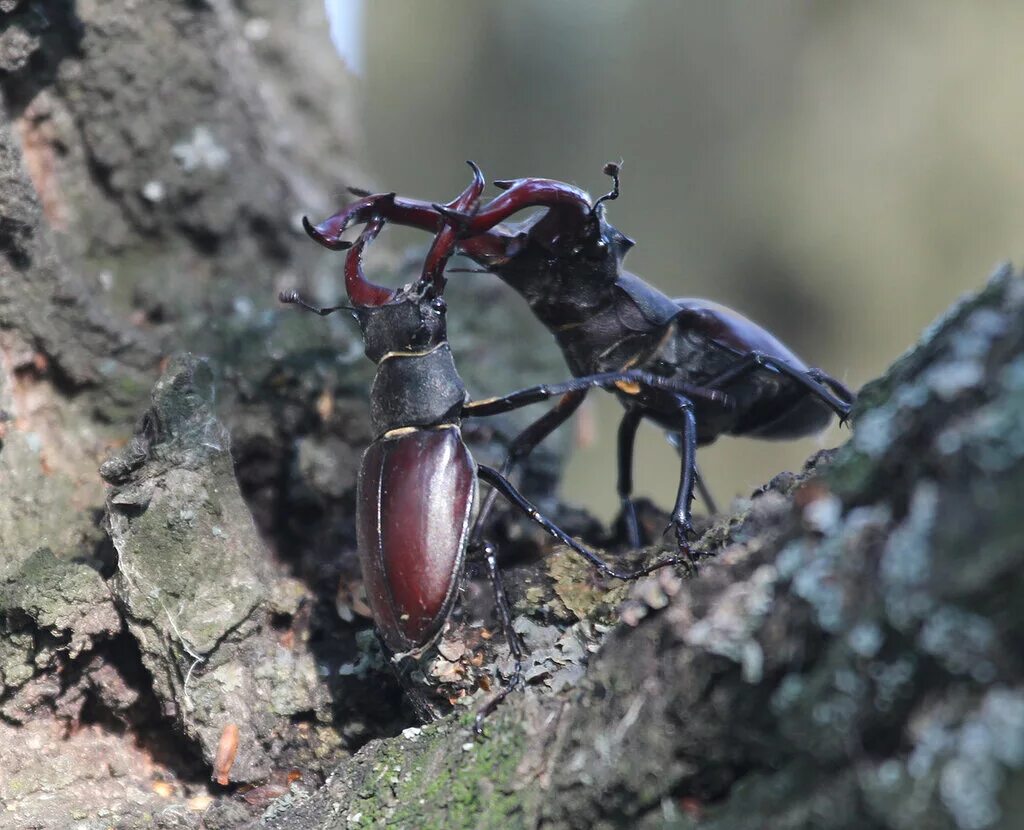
x=154, y=162
x=147, y=193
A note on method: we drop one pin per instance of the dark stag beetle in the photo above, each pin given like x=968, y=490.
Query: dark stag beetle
x=566, y=262
x=418, y=482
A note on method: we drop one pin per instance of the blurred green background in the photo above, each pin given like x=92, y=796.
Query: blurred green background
x=839, y=172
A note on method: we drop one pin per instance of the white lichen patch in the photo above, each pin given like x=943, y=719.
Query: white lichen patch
x=961, y=641
x=952, y=378
x=974, y=340
x=994, y=440
x=866, y=639
x=818, y=584
x=729, y=627
x=154, y=191
x=875, y=432
x=906, y=560
x=891, y=681
x=824, y=514
x=788, y=692
x=989, y=742
x=200, y=151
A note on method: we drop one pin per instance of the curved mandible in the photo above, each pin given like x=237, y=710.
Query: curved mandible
x=395, y=209
x=443, y=246
x=569, y=208
x=360, y=290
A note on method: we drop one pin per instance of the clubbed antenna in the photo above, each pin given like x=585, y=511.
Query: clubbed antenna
x=610, y=169
x=292, y=297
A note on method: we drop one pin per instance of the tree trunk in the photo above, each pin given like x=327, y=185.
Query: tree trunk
x=846, y=657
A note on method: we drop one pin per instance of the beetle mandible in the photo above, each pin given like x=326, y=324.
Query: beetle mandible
x=418, y=482
x=566, y=263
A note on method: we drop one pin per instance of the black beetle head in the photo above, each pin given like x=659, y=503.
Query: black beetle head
x=413, y=321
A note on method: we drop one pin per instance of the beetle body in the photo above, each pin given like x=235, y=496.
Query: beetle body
x=418, y=483
x=605, y=319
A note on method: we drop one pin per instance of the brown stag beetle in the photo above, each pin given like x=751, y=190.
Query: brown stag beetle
x=566, y=262
x=417, y=482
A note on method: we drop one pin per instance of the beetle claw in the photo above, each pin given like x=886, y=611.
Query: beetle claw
x=503, y=184
x=683, y=531
x=359, y=192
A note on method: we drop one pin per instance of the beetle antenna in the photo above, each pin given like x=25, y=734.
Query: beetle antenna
x=291, y=297
x=610, y=169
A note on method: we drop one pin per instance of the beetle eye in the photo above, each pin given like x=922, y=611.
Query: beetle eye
x=439, y=305
x=597, y=249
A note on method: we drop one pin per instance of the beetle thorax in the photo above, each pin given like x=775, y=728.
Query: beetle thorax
x=416, y=390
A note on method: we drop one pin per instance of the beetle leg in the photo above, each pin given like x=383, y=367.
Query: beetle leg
x=523, y=444
x=504, y=486
x=676, y=440
x=840, y=389
x=813, y=380
x=626, y=439
x=515, y=645
x=688, y=451
x=605, y=380
x=705, y=492
x=572, y=392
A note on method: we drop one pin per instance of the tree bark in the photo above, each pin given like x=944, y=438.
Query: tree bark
x=847, y=657
x=155, y=160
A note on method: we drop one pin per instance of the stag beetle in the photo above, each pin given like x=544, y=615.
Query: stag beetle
x=417, y=481
x=566, y=263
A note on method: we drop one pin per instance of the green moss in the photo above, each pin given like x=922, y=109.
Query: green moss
x=444, y=779
x=585, y=594
x=851, y=472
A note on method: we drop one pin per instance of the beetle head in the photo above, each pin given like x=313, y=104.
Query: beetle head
x=565, y=260
x=411, y=319
x=601, y=247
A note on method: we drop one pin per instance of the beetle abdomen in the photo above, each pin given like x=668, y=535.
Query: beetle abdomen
x=415, y=499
